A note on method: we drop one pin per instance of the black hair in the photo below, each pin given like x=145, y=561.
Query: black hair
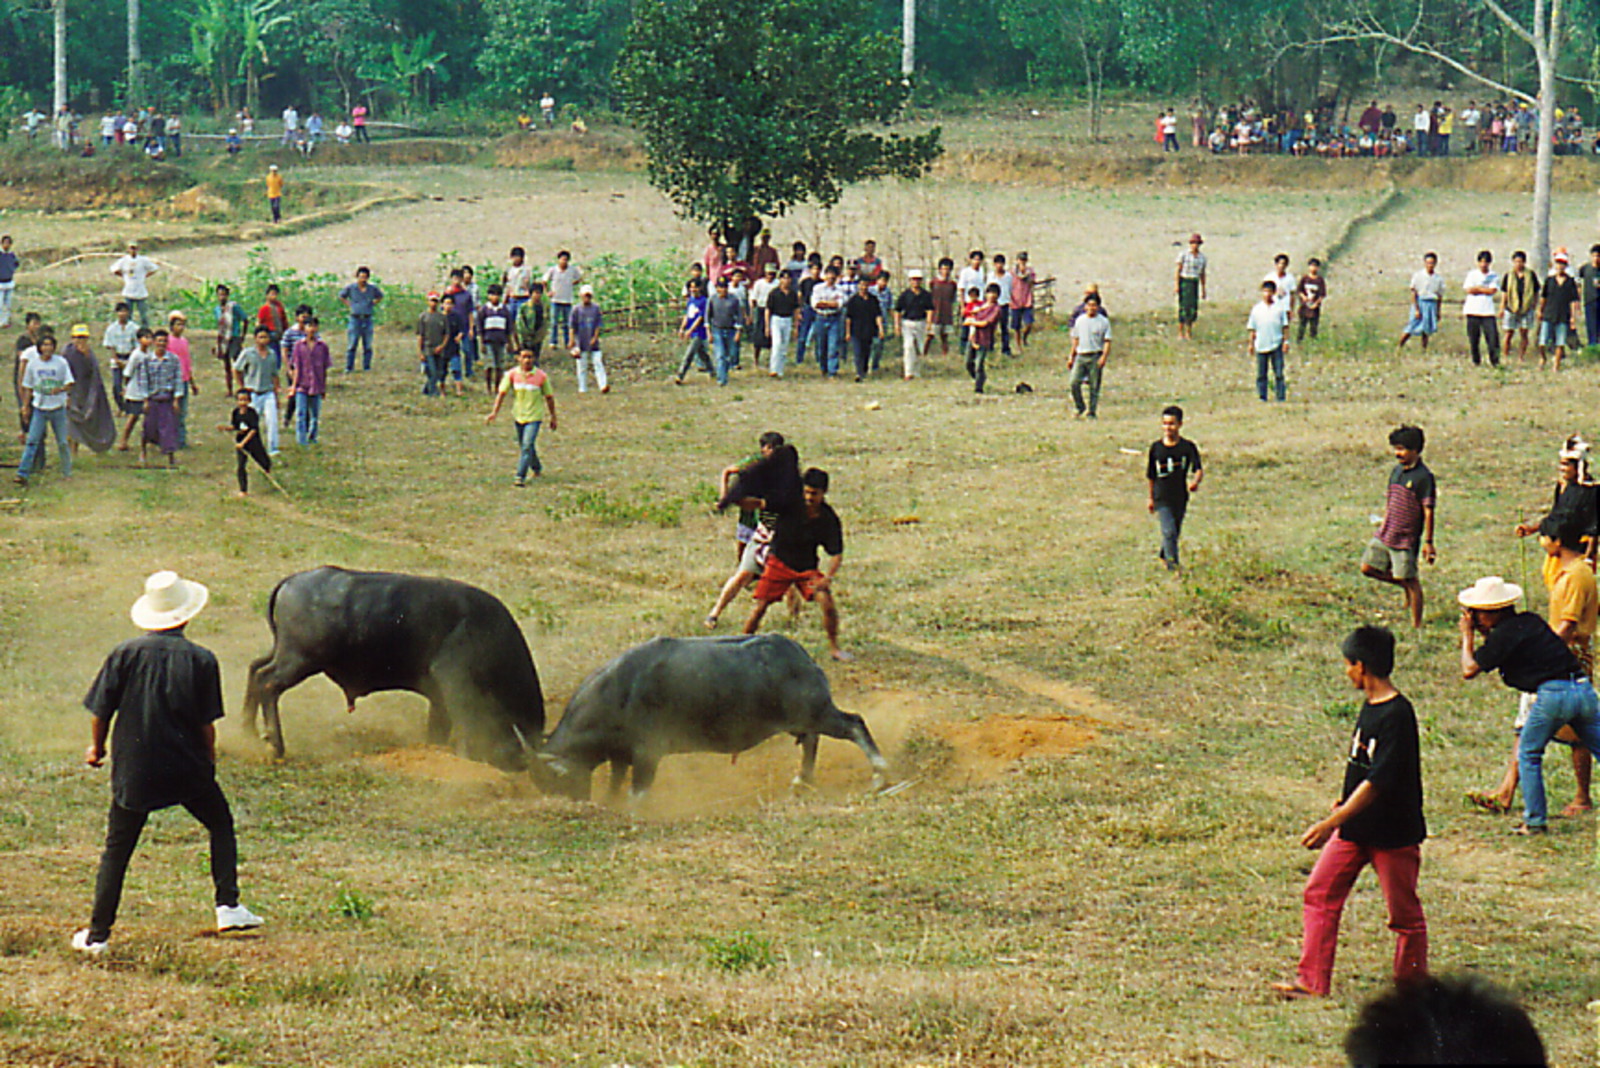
x=364, y=270
x=978, y=252
x=537, y=287
x=313, y=321
x=697, y=285
x=1408, y=437
x=1431, y=256
x=455, y=272
x=143, y=331
x=1372, y=648
x=1562, y=529
x=1462, y=1019
x=697, y=266
x=1314, y=262
x=1519, y=255
x=223, y=288
x=1594, y=248
x=32, y=317
x=992, y=287
x=303, y=309
x=1283, y=256
x=798, y=246
x=518, y=250
x=263, y=330
x=241, y=393
x=565, y=253
x=771, y=440
x=1174, y=411
x=998, y=257
x=159, y=333
x=1484, y=255
x=946, y=261
x=815, y=478
x=496, y=289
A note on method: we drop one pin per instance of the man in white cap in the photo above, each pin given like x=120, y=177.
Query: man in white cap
x=913, y=310
x=158, y=697
x=1531, y=659
x=585, y=323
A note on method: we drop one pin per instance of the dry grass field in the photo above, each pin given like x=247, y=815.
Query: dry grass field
x=1096, y=859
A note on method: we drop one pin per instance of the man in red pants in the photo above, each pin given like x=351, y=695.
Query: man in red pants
x=1377, y=821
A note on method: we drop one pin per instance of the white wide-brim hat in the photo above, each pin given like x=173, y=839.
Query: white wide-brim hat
x=1491, y=592
x=168, y=601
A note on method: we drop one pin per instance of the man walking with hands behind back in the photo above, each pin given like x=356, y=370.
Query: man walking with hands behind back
x=1378, y=821
x=158, y=698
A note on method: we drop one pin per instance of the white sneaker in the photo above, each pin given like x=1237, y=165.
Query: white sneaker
x=81, y=943
x=236, y=918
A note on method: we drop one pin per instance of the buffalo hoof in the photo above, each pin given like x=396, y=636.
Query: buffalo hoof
x=801, y=786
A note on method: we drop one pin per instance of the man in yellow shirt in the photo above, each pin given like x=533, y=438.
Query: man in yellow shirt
x=1574, y=608
x=275, y=192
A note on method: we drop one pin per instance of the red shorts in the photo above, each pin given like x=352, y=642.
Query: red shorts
x=777, y=577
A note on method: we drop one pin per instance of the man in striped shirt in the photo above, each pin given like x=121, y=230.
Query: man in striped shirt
x=1407, y=528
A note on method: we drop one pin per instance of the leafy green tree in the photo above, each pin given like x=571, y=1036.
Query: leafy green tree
x=750, y=107
x=408, y=68
x=567, y=47
x=1069, y=40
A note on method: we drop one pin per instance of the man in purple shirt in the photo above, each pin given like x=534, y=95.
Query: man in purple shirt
x=585, y=325
x=308, y=377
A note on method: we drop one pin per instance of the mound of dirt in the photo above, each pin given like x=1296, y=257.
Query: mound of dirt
x=1111, y=168
x=62, y=183
x=563, y=151
x=195, y=202
x=985, y=748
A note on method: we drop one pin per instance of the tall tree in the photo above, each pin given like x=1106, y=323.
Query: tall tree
x=1068, y=39
x=134, y=91
x=744, y=111
x=567, y=47
x=1539, y=27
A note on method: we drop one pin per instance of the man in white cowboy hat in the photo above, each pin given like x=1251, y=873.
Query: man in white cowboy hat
x=159, y=696
x=1532, y=659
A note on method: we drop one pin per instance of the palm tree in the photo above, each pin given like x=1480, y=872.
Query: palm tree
x=407, y=68
x=256, y=21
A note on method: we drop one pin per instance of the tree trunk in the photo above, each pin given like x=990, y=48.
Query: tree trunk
x=908, y=37
x=135, y=87
x=1546, y=45
x=59, y=97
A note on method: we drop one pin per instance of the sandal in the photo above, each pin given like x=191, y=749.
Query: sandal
x=1487, y=802
x=1293, y=991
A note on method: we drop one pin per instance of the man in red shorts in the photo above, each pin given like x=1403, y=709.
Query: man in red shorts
x=792, y=559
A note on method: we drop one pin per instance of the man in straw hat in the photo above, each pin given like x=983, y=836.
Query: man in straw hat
x=1532, y=659
x=159, y=696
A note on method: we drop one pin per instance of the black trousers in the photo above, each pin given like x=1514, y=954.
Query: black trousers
x=862, y=346
x=123, y=827
x=1484, y=327
x=253, y=451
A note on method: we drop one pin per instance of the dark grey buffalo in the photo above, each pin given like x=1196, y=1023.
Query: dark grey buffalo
x=372, y=630
x=695, y=695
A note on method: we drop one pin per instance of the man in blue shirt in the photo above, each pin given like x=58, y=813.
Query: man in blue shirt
x=361, y=299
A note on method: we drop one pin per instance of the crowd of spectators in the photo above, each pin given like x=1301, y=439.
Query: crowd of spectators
x=1379, y=131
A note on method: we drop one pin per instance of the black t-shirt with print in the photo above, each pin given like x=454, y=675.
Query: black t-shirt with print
x=158, y=691
x=1169, y=468
x=244, y=420
x=1526, y=652
x=1384, y=751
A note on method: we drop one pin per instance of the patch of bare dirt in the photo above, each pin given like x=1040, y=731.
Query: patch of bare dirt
x=436, y=764
x=987, y=748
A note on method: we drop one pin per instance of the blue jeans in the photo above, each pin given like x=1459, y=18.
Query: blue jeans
x=56, y=420
x=469, y=354
x=307, y=417
x=561, y=323
x=358, y=330
x=1558, y=703
x=434, y=365
x=1274, y=359
x=803, y=332
x=527, y=435
x=725, y=350
x=139, y=308
x=1591, y=318
x=1170, y=516
x=822, y=334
